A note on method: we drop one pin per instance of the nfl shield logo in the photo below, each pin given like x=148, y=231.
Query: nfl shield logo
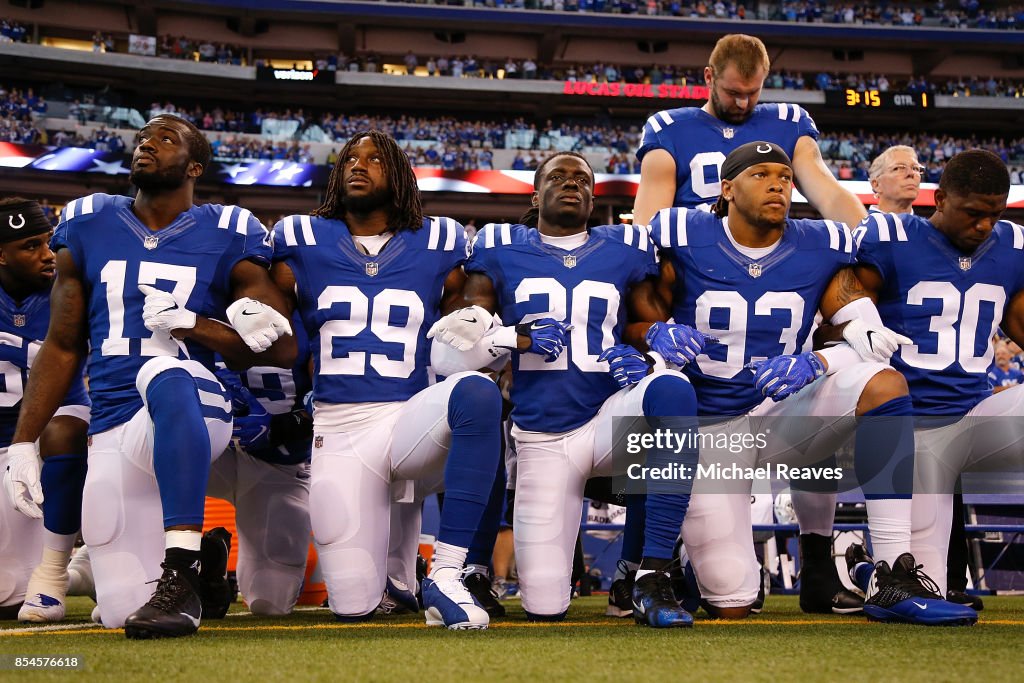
x=19, y=320
x=965, y=263
x=727, y=133
x=372, y=268
x=318, y=442
x=569, y=261
x=150, y=243
x=754, y=269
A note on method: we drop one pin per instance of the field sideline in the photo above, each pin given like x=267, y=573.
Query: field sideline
x=781, y=644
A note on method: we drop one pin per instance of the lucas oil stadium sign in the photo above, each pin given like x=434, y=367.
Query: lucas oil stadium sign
x=646, y=90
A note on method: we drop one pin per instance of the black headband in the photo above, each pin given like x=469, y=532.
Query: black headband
x=21, y=220
x=745, y=156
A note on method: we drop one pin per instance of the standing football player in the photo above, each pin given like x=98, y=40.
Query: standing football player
x=755, y=278
x=27, y=270
x=139, y=280
x=681, y=154
x=948, y=282
x=566, y=290
x=369, y=275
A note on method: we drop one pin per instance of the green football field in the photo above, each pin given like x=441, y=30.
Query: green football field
x=780, y=645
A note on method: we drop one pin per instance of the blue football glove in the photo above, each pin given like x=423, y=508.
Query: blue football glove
x=783, y=376
x=678, y=344
x=548, y=337
x=627, y=365
x=236, y=392
x=252, y=430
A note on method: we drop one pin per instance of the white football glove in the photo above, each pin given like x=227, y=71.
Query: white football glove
x=257, y=324
x=21, y=480
x=875, y=343
x=463, y=328
x=162, y=312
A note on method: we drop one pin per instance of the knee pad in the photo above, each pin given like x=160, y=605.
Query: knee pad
x=544, y=580
x=271, y=591
x=102, y=511
x=354, y=582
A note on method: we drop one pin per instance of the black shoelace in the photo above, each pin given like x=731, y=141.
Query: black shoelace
x=169, y=589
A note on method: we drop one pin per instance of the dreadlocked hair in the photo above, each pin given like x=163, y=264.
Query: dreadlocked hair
x=406, y=211
x=530, y=218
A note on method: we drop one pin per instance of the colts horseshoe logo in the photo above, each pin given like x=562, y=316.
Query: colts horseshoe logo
x=19, y=226
x=767, y=149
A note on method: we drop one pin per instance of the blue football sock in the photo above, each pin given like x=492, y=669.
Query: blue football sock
x=884, y=450
x=474, y=414
x=62, y=479
x=669, y=403
x=481, y=549
x=181, y=446
x=636, y=522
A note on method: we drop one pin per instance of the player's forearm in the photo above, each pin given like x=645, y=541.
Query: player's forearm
x=223, y=339
x=53, y=373
x=635, y=334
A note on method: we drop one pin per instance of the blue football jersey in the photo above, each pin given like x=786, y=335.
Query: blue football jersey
x=281, y=391
x=699, y=143
x=22, y=330
x=192, y=258
x=948, y=302
x=585, y=286
x=1010, y=377
x=757, y=308
x=367, y=316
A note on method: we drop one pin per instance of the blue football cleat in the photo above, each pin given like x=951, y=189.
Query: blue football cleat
x=448, y=603
x=905, y=594
x=655, y=605
x=398, y=599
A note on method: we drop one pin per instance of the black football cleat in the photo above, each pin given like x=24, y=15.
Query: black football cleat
x=905, y=594
x=821, y=591
x=655, y=605
x=765, y=588
x=174, y=610
x=479, y=586
x=215, y=589
x=620, y=595
x=965, y=598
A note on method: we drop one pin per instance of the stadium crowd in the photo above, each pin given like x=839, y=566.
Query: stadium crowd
x=953, y=14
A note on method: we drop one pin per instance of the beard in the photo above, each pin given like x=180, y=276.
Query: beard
x=722, y=113
x=379, y=198
x=160, y=180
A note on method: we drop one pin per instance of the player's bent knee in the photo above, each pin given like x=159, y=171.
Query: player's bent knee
x=152, y=368
x=474, y=398
x=272, y=592
x=885, y=385
x=733, y=613
x=354, y=582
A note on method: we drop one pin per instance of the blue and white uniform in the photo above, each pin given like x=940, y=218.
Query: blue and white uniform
x=760, y=303
x=950, y=304
x=114, y=253
x=563, y=411
x=23, y=326
x=699, y=143
x=382, y=432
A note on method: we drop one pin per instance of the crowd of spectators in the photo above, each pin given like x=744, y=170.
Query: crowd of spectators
x=18, y=111
x=951, y=13
x=13, y=31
